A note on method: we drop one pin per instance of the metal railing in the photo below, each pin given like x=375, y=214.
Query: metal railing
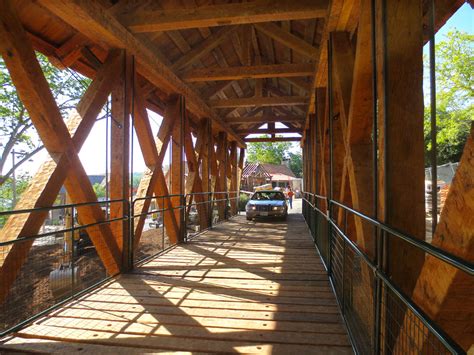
x=61, y=263
x=379, y=317
x=58, y=264
x=153, y=236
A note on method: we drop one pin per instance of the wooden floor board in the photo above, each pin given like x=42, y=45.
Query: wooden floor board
x=241, y=287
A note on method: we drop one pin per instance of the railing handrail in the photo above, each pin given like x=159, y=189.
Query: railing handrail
x=439, y=253
x=60, y=207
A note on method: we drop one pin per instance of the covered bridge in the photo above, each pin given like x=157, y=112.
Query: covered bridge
x=345, y=74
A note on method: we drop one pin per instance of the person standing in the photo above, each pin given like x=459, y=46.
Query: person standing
x=290, y=195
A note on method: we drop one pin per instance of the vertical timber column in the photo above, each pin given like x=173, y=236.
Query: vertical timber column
x=320, y=119
x=205, y=166
x=122, y=96
x=401, y=143
x=234, y=177
x=241, y=168
x=306, y=162
x=222, y=176
x=206, y=177
x=177, y=162
x=312, y=153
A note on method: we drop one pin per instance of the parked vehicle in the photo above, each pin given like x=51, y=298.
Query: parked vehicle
x=268, y=203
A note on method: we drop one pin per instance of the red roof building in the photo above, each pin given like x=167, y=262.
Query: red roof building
x=256, y=174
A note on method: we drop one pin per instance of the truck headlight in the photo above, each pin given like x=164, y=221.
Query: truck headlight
x=251, y=207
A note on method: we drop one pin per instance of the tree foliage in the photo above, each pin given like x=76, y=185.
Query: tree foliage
x=6, y=193
x=296, y=163
x=99, y=190
x=454, y=96
x=267, y=152
x=275, y=153
x=17, y=131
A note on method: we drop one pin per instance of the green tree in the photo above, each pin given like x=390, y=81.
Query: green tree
x=99, y=190
x=7, y=196
x=267, y=152
x=276, y=153
x=455, y=96
x=17, y=131
x=296, y=163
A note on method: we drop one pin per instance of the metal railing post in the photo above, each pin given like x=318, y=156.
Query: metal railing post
x=131, y=234
x=72, y=263
x=185, y=220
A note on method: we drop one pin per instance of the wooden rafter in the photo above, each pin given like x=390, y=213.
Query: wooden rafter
x=95, y=22
x=225, y=14
x=288, y=39
x=274, y=139
x=268, y=131
x=248, y=72
x=264, y=119
x=203, y=48
x=259, y=101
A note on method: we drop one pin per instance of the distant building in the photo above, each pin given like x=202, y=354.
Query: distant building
x=256, y=174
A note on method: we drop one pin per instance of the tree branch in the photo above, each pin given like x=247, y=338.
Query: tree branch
x=3, y=178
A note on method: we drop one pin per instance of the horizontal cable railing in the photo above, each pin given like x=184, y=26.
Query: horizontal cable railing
x=61, y=263
x=40, y=272
x=380, y=318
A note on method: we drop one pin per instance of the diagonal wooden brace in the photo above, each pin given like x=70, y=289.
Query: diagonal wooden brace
x=153, y=182
x=35, y=94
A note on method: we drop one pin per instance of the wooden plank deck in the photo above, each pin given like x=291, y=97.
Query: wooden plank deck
x=242, y=287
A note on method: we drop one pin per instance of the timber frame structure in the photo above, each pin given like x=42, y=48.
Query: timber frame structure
x=346, y=75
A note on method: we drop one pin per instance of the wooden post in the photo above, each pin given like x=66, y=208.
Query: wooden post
x=442, y=291
x=234, y=177
x=241, y=168
x=205, y=166
x=320, y=142
x=177, y=163
x=222, y=176
x=120, y=156
x=401, y=142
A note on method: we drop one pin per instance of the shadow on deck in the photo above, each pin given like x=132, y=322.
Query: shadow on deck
x=241, y=287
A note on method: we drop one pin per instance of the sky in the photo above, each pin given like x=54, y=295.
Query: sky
x=93, y=151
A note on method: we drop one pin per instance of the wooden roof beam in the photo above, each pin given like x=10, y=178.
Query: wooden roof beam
x=263, y=119
x=94, y=21
x=274, y=139
x=248, y=72
x=288, y=39
x=203, y=48
x=269, y=131
x=259, y=101
x=224, y=15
